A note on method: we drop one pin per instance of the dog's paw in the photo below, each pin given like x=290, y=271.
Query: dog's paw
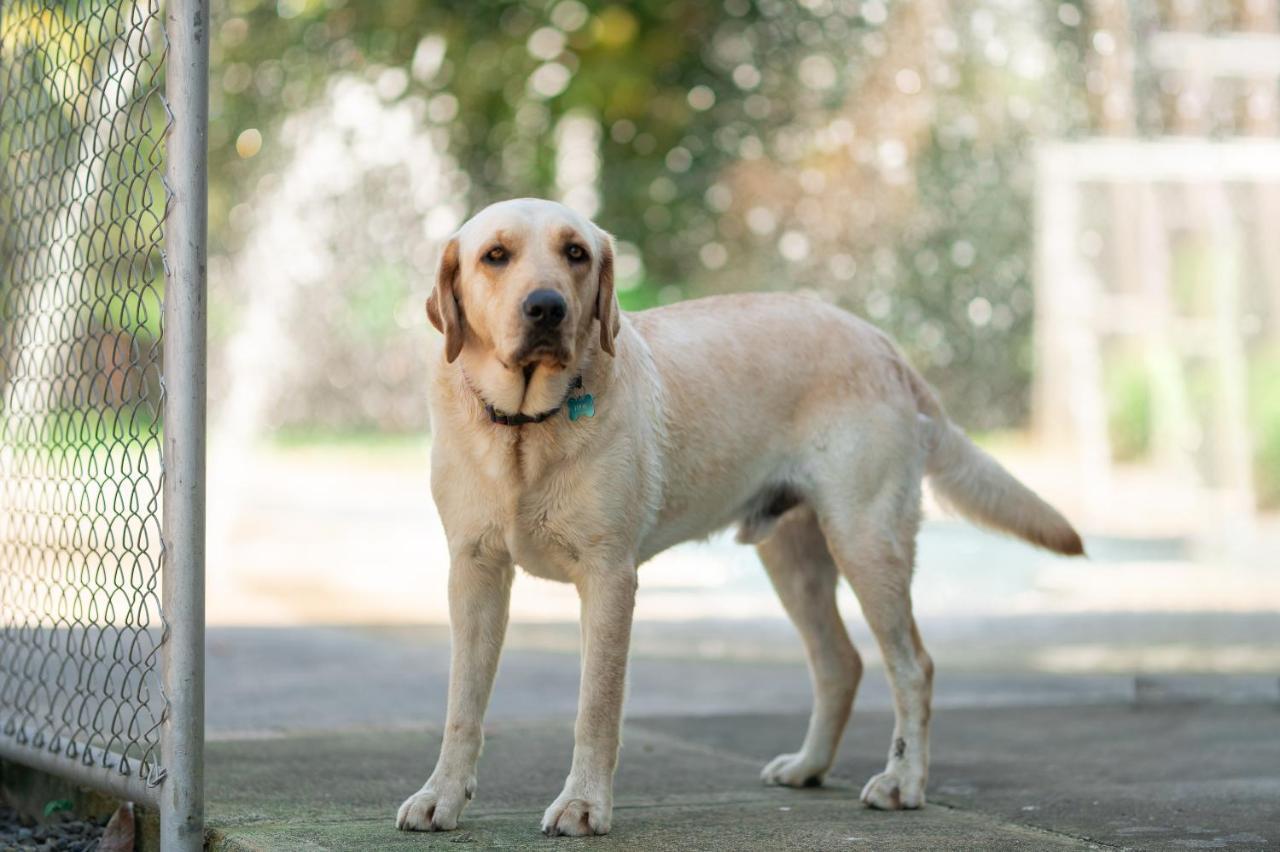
x=793, y=770
x=890, y=792
x=436, y=807
x=576, y=816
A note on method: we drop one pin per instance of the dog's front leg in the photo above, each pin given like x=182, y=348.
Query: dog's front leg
x=479, y=600
x=586, y=805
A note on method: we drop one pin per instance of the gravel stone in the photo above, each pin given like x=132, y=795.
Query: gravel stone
x=62, y=833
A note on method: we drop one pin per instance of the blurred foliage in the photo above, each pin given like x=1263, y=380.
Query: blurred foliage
x=630, y=66
x=1129, y=405
x=1128, y=391
x=934, y=182
x=82, y=199
x=876, y=153
x=1264, y=393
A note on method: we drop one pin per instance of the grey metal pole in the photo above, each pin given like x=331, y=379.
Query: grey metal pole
x=182, y=736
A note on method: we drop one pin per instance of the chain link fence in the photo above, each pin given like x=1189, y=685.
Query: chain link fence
x=83, y=204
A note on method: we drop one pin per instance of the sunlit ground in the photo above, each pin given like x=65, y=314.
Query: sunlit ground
x=346, y=533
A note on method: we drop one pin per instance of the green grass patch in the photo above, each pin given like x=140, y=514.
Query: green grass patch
x=73, y=430
x=370, y=440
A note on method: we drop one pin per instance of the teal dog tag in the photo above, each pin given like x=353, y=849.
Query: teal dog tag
x=581, y=406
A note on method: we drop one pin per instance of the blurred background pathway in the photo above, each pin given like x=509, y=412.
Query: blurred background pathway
x=348, y=535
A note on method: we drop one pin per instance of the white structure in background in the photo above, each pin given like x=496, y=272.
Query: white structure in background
x=578, y=163
x=1165, y=194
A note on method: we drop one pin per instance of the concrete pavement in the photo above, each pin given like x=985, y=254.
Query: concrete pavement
x=318, y=734
x=1158, y=777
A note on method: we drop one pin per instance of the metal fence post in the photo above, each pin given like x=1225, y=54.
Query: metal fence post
x=182, y=738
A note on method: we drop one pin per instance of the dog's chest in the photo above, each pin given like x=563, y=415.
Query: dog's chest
x=542, y=532
x=543, y=550
x=536, y=500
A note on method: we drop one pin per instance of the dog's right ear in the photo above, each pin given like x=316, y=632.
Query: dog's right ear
x=442, y=304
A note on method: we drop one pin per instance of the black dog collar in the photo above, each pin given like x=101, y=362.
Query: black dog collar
x=517, y=419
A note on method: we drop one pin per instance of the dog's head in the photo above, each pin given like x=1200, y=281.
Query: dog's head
x=521, y=290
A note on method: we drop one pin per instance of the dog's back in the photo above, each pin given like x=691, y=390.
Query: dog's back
x=758, y=386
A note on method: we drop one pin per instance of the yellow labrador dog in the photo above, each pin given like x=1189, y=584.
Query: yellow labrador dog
x=577, y=441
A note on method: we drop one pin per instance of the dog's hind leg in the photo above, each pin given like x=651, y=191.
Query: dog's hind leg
x=805, y=576
x=873, y=542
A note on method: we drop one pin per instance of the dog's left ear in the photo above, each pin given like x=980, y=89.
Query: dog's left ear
x=442, y=304
x=607, y=310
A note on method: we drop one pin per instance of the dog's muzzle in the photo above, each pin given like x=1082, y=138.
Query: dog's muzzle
x=544, y=309
x=544, y=312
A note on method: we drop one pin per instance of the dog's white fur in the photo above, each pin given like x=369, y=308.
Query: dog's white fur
x=788, y=416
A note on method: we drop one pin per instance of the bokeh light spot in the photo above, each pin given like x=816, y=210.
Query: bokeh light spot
x=701, y=98
x=249, y=143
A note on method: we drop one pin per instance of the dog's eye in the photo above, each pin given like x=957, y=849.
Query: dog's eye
x=575, y=253
x=496, y=256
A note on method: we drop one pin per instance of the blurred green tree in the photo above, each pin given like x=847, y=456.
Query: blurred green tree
x=876, y=153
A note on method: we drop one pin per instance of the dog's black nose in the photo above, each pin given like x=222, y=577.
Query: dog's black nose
x=545, y=308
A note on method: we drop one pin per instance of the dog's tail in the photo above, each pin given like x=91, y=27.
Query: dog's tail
x=974, y=484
